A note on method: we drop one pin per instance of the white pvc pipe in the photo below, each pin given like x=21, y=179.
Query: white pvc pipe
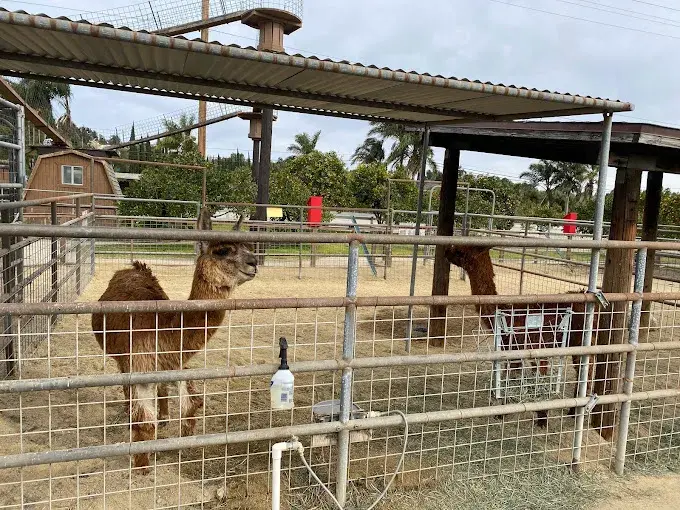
x=277, y=452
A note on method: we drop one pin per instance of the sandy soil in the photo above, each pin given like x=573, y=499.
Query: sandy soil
x=645, y=493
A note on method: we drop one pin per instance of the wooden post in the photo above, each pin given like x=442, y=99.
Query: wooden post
x=92, y=222
x=8, y=288
x=202, y=107
x=265, y=163
x=618, y=271
x=54, y=266
x=650, y=227
x=78, y=245
x=255, y=169
x=445, y=223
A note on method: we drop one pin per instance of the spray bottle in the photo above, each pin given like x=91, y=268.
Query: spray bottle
x=282, y=383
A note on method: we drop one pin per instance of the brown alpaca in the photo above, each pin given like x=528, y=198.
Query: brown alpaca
x=476, y=262
x=146, y=342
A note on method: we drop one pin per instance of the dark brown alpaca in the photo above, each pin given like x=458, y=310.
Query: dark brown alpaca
x=476, y=262
x=146, y=342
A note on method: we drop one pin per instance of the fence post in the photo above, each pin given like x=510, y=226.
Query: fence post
x=92, y=241
x=388, y=247
x=524, y=253
x=78, y=245
x=584, y=365
x=9, y=291
x=349, y=333
x=633, y=332
x=302, y=226
x=55, y=253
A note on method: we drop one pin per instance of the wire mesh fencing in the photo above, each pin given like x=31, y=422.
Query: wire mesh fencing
x=42, y=270
x=490, y=396
x=163, y=14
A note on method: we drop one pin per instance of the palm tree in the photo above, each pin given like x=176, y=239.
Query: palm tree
x=546, y=175
x=182, y=141
x=371, y=151
x=41, y=94
x=304, y=144
x=406, y=148
x=591, y=174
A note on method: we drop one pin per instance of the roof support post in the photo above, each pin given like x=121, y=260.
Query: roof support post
x=584, y=369
x=265, y=163
x=618, y=271
x=650, y=227
x=419, y=209
x=202, y=106
x=445, y=226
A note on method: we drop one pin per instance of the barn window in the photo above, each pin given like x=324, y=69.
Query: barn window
x=71, y=174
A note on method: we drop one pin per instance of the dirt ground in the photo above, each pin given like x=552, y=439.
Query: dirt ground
x=38, y=422
x=645, y=493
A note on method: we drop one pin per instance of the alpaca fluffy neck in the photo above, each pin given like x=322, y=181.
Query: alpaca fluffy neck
x=480, y=272
x=201, y=326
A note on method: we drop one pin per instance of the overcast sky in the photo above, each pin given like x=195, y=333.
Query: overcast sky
x=618, y=49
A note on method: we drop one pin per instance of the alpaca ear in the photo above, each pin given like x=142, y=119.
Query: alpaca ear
x=204, y=222
x=237, y=226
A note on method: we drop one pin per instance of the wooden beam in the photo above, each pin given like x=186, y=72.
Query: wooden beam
x=445, y=224
x=186, y=129
x=265, y=163
x=650, y=227
x=204, y=23
x=202, y=106
x=618, y=271
x=8, y=92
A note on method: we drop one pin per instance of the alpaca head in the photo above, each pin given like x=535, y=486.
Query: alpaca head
x=464, y=256
x=223, y=264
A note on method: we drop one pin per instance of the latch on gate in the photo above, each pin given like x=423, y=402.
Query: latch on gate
x=591, y=403
x=599, y=295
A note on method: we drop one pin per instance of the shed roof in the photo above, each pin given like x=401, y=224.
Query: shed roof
x=79, y=52
x=634, y=145
x=110, y=173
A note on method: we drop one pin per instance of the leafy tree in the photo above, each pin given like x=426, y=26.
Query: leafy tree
x=304, y=143
x=368, y=187
x=370, y=151
x=323, y=173
x=670, y=208
x=294, y=180
x=285, y=187
x=403, y=195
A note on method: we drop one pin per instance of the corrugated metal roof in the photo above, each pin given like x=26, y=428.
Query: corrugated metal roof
x=118, y=58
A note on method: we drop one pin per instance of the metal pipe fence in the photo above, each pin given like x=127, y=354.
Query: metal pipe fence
x=67, y=435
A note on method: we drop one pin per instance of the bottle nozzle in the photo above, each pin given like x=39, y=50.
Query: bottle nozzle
x=283, y=353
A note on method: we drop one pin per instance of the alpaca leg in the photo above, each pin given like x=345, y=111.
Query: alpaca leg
x=190, y=402
x=163, y=413
x=143, y=417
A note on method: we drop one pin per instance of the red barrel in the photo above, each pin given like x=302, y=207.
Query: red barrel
x=568, y=228
x=314, y=212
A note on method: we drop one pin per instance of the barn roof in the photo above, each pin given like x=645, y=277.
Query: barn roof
x=110, y=172
x=78, y=52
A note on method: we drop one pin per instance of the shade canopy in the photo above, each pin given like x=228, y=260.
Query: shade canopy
x=59, y=49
